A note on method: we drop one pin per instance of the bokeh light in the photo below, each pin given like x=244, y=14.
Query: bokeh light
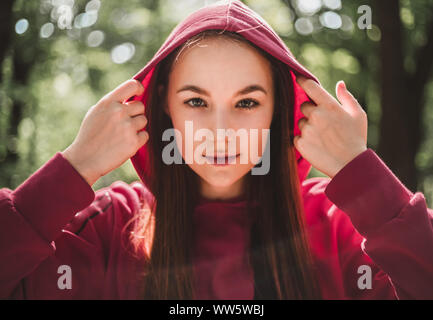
x=95, y=38
x=346, y=23
x=86, y=19
x=309, y=7
x=332, y=4
x=331, y=20
x=122, y=53
x=93, y=5
x=47, y=30
x=21, y=26
x=304, y=26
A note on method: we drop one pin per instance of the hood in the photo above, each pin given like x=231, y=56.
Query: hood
x=232, y=16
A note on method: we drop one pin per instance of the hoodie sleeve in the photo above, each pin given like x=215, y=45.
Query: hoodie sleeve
x=396, y=226
x=54, y=218
x=32, y=216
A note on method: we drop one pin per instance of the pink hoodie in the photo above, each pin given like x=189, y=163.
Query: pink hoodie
x=363, y=219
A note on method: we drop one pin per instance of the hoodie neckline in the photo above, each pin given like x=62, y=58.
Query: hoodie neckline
x=234, y=200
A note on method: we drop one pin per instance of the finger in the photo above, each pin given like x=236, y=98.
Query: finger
x=296, y=142
x=139, y=122
x=316, y=92
x=347, y=100
x=307, y=108
x=126, y=90
x=143, y=136
x=134, y=108
x=301, y=123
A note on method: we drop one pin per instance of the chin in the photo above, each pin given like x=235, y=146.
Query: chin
x=222, y=177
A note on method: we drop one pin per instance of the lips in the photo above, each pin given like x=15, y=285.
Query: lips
x=222, y=159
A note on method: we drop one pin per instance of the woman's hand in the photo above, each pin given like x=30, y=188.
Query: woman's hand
x=332, y=134
x=109, y=134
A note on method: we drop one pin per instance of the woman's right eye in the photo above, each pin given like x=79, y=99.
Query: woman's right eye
x=195, y=103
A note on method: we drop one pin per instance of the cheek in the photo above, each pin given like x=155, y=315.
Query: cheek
x=257, y=137
x=181, y=121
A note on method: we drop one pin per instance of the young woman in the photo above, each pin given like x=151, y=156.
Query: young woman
x=207, y=230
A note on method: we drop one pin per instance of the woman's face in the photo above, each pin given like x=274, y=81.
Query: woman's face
x=221, y=84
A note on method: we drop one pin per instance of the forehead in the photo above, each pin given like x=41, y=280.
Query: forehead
x=216, y=59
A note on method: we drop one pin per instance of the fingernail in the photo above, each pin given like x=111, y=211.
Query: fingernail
x=343, y=84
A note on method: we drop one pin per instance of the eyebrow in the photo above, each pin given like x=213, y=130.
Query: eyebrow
x=248, y=89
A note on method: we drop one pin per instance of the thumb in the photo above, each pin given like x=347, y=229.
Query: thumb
x=347, y=100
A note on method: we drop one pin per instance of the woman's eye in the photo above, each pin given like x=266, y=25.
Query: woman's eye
x=247, y=104
x=195, y=102
x=243, y=104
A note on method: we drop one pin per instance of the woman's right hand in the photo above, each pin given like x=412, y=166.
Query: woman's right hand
x=109, y=134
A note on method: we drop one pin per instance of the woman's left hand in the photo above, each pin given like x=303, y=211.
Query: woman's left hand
x=333, y=133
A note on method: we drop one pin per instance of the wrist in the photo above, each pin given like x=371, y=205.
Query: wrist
x=80, y=165
x=341, y=164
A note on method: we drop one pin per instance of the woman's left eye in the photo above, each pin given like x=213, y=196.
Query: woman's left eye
x=247, y=104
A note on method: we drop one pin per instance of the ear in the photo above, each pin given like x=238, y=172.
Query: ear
x=160, y=94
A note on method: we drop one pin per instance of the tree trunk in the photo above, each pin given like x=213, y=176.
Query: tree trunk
x=24, y=56
x=6, y=29
x=399, y=124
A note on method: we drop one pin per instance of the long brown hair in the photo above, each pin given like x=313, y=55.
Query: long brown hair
x=279, y=248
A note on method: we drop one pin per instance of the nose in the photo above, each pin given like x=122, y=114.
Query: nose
x=221, y=124
x=221, y=118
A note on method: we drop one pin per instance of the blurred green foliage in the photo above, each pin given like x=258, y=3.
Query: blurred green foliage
x=80, y=50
